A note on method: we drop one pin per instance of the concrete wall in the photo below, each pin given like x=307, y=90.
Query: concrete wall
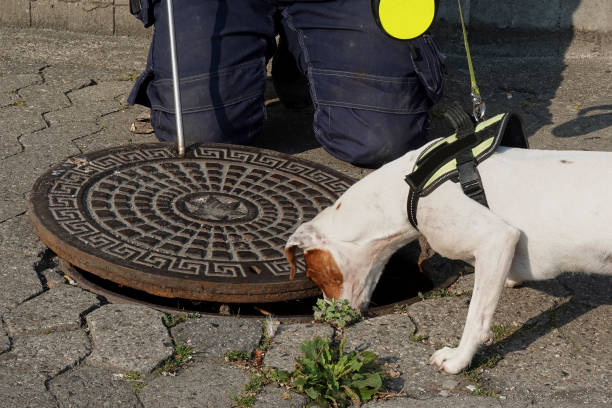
x=90, y=16
x=113, y=16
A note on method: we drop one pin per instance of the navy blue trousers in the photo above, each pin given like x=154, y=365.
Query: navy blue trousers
x=371, y=93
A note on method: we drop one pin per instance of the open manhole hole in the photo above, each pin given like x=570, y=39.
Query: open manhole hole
x=401, y=284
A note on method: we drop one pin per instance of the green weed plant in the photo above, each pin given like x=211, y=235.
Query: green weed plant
x=335, y=312
x=332, y=378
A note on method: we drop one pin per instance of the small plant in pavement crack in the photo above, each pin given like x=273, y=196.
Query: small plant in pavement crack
x=171, y=320
x=335, y=312
x=135, y=378
x=236, y=355
x=332, y=378
x=183, y=352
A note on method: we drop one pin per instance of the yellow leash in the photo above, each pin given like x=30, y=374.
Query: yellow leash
x=479, y=107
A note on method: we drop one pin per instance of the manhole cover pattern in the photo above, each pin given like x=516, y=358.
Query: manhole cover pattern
x=221, y=214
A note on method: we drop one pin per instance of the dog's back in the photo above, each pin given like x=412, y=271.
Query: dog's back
x=562, y=203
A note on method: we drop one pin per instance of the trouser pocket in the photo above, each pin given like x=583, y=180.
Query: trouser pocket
x=429, y=65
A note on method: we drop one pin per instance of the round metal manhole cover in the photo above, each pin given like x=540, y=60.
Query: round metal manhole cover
x=211, y=226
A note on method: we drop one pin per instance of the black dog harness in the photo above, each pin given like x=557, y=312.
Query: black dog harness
x=456, y=157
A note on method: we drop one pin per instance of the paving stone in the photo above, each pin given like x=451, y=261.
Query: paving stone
x=287, y=340
x=559, y=360
x=21, y=119
x=47, y=354
x=24, y=389
x=213, y=336
x=44, y=98
x=374, y=334
x=443, y=319
x=10, y=143
x=18, y=235
x=11, y=86
x=453, y=402
x=389, y=338
x=87, y=386
x=202, y=385
x=56, y=138
x=11, y=83
x=68, y=77
x=19, y=173
x=278, y=397
x=18, y=279
x=128, y=338
x=12, y=204
x=115, y=131
x=59, y=308
x=91, y=102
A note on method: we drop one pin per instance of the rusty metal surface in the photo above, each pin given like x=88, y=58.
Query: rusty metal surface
x=286, y=311
x=211, y=226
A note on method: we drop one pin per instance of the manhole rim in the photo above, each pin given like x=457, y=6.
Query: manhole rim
x=148, y=282
x=113, y=297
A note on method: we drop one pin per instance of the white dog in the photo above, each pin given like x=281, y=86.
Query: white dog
x=550, y=212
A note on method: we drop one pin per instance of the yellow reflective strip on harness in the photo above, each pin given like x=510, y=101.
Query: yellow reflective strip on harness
x=447, y=168
x=451, y=165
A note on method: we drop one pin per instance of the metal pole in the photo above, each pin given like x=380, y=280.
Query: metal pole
x=178, y=111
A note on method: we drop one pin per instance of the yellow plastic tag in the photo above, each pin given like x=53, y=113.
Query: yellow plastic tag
x=405, y=19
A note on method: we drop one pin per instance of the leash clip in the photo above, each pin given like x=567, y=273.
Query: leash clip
x=479, y=107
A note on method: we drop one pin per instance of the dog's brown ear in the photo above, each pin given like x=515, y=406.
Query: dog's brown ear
x=290, y=255
x=305, y=237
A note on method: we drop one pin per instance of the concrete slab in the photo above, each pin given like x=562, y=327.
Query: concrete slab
x=390, y=338
x=46, y=354
x=128, y=338
x=44, y=98
x=20, y=118
x=18, y=279
x=88, y=386
x=60, y=308
x=560, y=360
x=202, y=385
x=287, y=340
x=17, y=235
x=214, y=336
x=59, y=138
x=12, y=84
x=18, y=173
x=114, y=131
x=19, y=389
x=441, y=402
x=274, y=396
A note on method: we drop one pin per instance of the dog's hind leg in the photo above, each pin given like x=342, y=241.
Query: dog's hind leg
x=491, y=242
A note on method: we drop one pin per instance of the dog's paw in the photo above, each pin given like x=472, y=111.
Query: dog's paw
x=450, y=360
x=512, y=283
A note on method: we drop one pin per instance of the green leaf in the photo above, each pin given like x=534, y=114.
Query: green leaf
x=368, y=386
x=312, y=393
x=367, y=358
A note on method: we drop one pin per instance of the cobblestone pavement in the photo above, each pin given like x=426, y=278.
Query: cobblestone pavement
x=61, y=346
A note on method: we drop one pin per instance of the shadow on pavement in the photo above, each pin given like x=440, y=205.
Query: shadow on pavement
x=585, y=123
